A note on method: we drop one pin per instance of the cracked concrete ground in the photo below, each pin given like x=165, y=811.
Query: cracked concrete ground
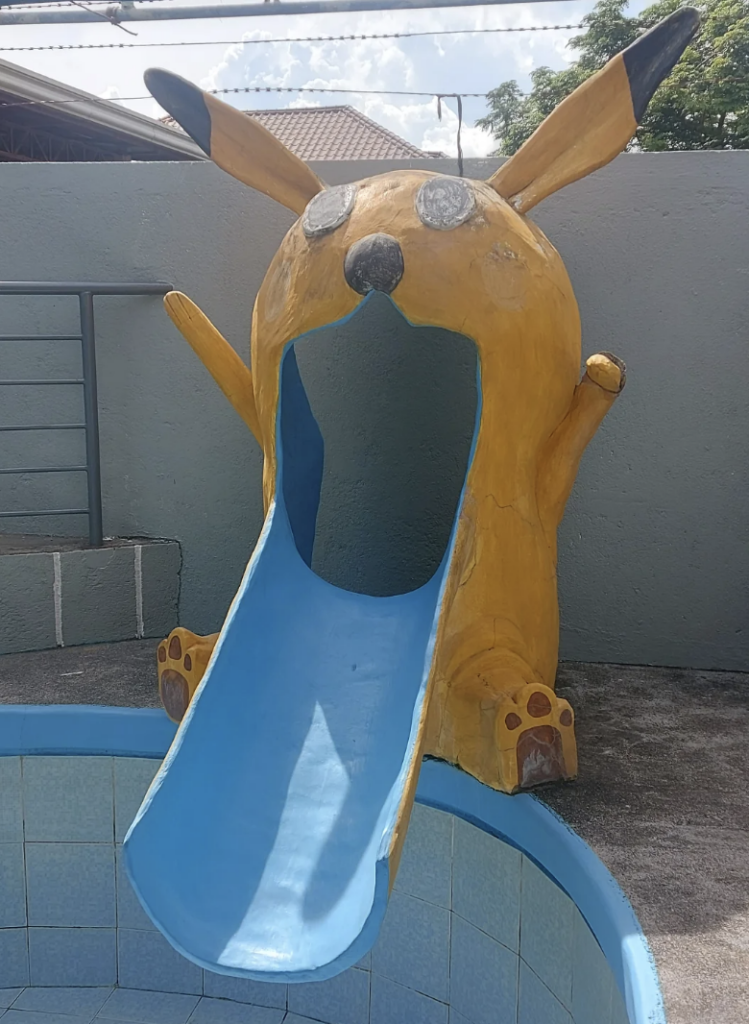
x=662, y=797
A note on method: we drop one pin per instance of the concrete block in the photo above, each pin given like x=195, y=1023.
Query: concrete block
x=161, y=563
x=27, y=606
x=120, y=592
x=98, y=595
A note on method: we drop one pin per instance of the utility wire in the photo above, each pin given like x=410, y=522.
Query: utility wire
x=291, y=39
x=254, y=89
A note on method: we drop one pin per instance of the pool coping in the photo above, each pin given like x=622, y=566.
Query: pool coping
x=521, y=820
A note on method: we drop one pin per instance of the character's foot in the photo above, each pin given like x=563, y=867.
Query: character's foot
x=182, y=660
x=536, y=738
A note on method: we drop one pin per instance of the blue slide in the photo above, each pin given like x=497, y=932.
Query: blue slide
x=261, y=849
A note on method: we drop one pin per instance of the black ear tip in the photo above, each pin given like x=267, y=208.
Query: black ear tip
x=688, y=16
x=151, y=77
x=184, y=101
x=651, y=57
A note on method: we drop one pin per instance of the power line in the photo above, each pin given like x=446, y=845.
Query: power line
x=290, y=39
x=257, y=89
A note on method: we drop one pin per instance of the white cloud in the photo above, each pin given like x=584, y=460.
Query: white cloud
x=429, y=64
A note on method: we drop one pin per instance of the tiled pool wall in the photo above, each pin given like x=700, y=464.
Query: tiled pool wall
x=475, y=932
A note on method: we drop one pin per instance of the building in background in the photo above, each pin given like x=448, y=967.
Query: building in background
x=43, y=120
x=334, y=133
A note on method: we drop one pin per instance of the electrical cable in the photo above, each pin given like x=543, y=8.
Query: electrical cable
x=290, y=39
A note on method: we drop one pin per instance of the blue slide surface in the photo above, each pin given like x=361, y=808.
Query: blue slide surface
x=261, y=849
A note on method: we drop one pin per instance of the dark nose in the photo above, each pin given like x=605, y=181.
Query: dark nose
x=374, y=264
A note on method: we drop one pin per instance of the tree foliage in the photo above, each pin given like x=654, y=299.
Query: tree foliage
x=703, y=104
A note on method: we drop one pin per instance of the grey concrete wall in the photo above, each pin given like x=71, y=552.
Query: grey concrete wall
x=654, y=559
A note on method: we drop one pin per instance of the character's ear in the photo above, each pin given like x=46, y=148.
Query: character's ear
x=236, y=142
x=595, y=123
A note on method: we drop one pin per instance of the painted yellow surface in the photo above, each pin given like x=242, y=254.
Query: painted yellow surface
x=182, y=660
x=215, y=352
x=245, y=149
x=587, y=130
x=496, y=279
x=498, y=637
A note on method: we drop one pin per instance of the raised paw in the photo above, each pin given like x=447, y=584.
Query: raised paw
x=536, y=738
x=607, y=371
x=182, y=660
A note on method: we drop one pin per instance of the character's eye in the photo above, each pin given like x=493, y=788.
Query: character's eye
x=444, y=203
x=328, y=210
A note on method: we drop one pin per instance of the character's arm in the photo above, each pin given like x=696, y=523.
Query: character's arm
x=219, y=358
x=604, y=379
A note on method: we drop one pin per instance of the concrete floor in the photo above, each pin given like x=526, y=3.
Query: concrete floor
x=661, y=797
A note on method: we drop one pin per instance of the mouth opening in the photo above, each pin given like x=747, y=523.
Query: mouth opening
x=376, y=427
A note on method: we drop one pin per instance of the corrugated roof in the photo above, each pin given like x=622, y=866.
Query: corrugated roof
x=334, y=133
x=54, y=121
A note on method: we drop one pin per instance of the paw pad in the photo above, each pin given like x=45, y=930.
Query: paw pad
x=175, y=694
x=181, y=660
x=536, y=738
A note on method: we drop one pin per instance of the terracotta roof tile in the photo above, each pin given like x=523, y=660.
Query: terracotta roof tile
x=333, y=133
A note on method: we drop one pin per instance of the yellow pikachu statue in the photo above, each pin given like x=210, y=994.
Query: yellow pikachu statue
x=461, y=255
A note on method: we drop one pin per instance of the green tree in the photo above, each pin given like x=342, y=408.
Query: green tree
x=703, y=104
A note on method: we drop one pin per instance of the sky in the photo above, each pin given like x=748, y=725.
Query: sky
x=432, y=64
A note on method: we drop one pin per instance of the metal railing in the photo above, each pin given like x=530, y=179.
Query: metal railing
x=85, y=291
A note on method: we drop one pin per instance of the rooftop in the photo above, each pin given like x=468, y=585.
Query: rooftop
x=333, y=133
x=43, y=120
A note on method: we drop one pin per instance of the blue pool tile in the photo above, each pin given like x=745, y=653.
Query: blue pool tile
x=148, y=1007
x=365, y=964
x=242, y=990
x=483, y=976
x=85, y=1002
x=12, y=896
x=413, y=948
x=148, y=961
x=71, y=885
x=486, y=883
x=546, y=924
x=14, y=958
x=8, y=996
x=67, y=799
x=394, y=1004
x=132, y=777
x=457, y=1018
x=426, y=862
x=340, y=1000
x=221, y=1011
x=14, y=1016
x=619, y=1013
x=72, y=956
x=11, y=816
x=592, y=979
x=536, y=1003
x=130, y=914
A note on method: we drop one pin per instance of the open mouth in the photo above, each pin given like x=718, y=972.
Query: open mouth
x=396, y=410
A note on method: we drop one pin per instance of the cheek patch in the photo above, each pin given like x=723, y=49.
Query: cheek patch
x=445, y=203
x=328, y=210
